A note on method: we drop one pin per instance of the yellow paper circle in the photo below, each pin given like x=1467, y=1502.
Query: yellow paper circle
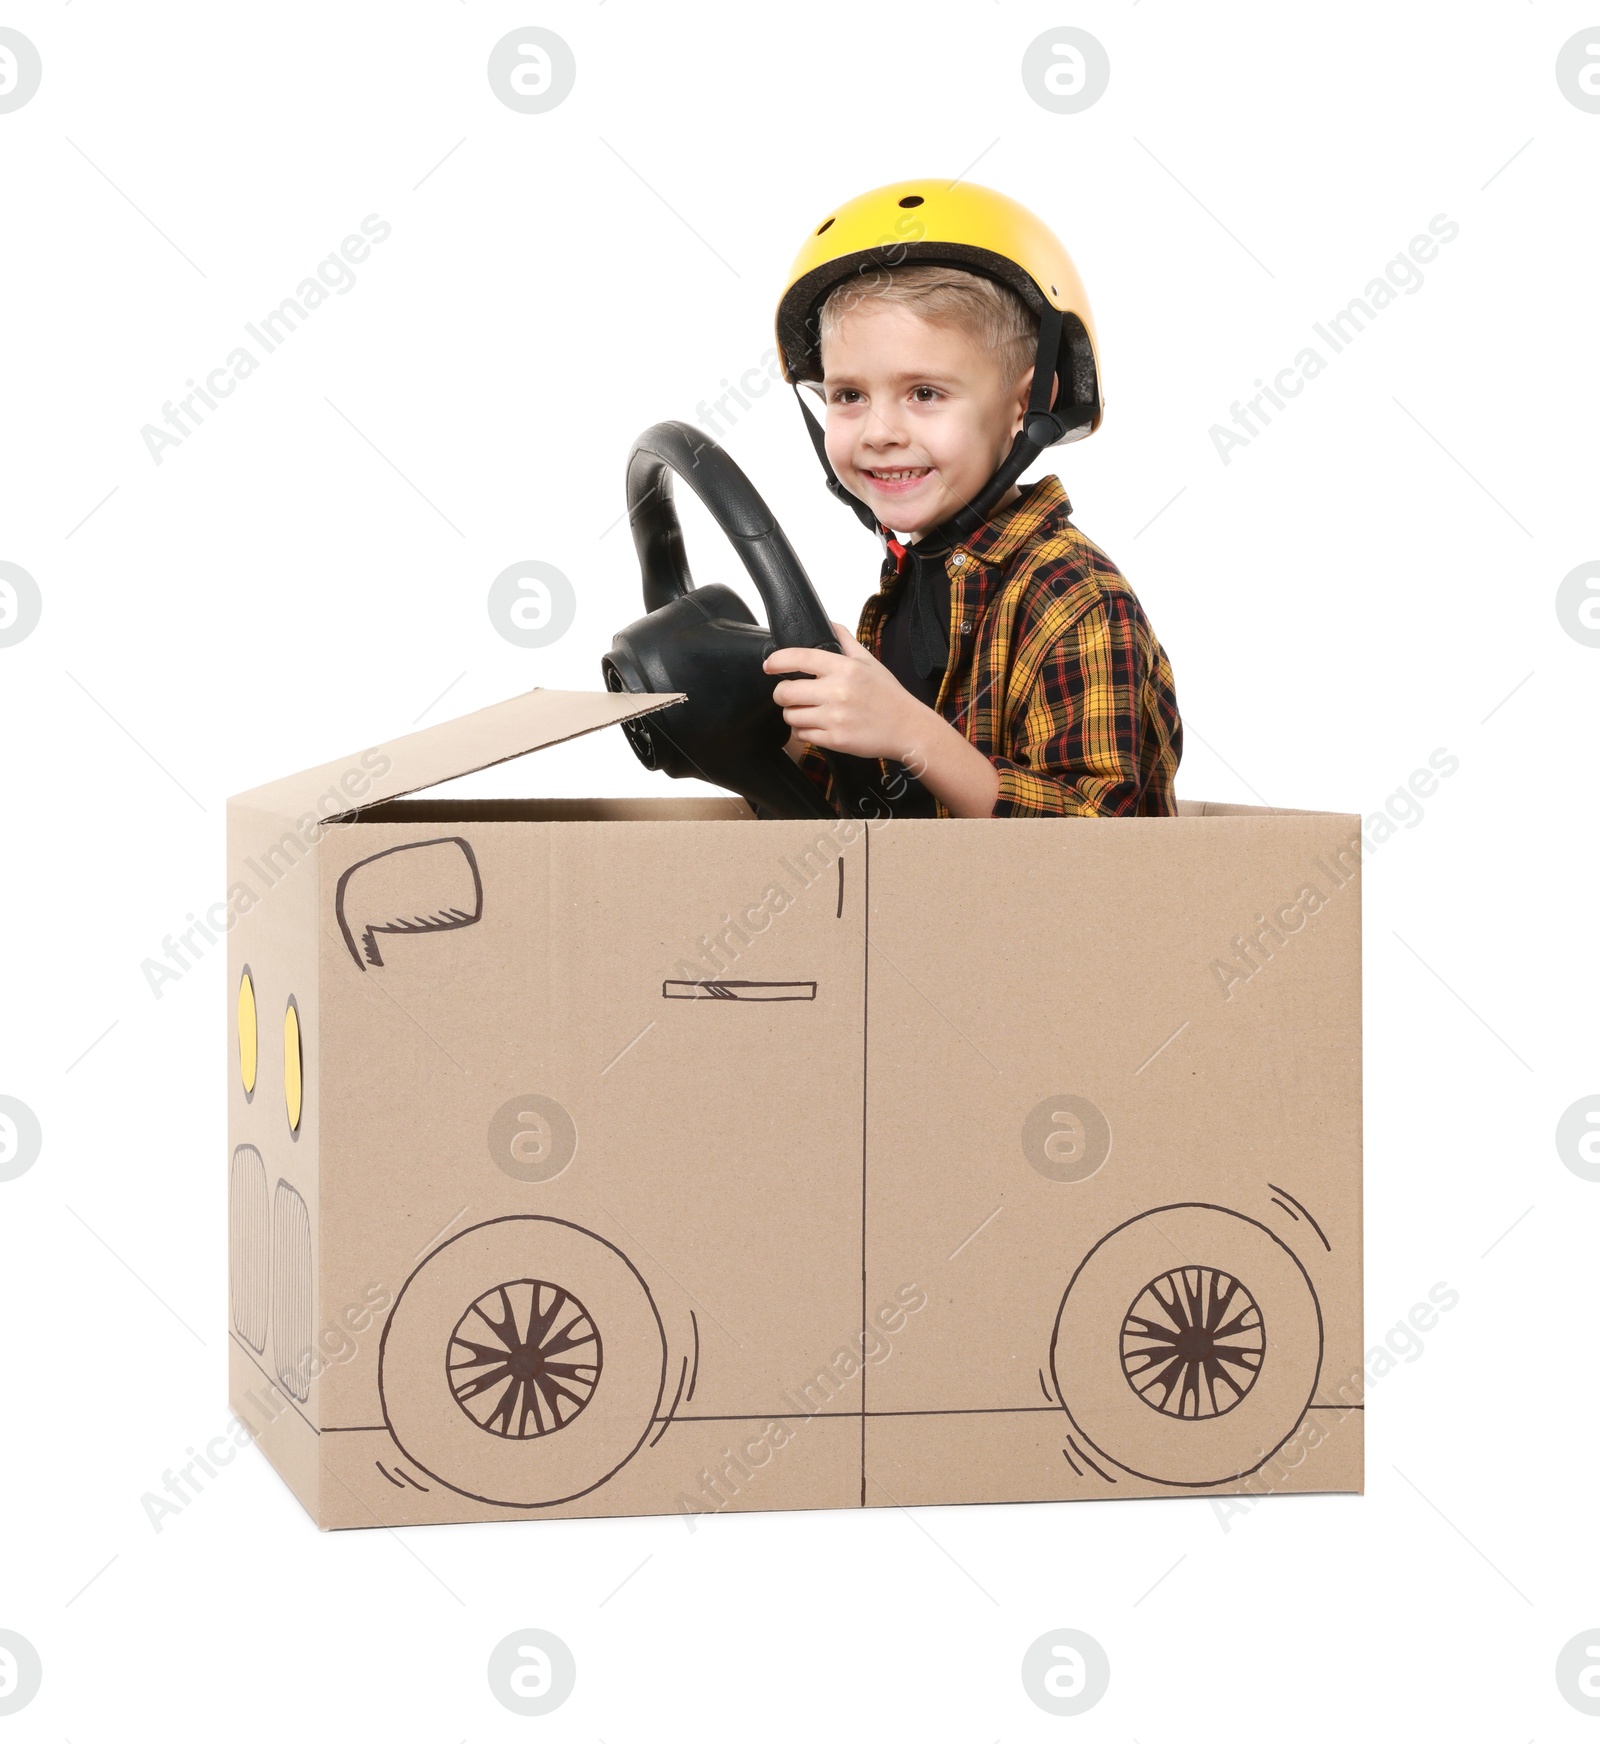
x=293, y=1075
x=247, y=1033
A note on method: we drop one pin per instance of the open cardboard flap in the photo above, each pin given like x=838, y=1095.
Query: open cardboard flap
x=451, y=748
x=497, y=734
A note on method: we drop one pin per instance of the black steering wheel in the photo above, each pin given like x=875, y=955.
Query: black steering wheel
x=704, y=641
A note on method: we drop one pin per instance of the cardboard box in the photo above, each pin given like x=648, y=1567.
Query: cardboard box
x=640, y=1156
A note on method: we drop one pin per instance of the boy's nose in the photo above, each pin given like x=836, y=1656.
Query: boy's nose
x=883, y=433
x=885, y=442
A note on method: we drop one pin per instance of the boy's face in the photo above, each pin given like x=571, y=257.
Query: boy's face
x=919, y=416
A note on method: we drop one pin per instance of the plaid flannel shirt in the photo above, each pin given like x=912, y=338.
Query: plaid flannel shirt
x=1054, y=673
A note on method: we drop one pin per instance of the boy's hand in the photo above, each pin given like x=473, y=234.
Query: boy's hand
x=853, y=704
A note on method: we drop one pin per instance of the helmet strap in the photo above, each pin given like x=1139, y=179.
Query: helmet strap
x=818, y=441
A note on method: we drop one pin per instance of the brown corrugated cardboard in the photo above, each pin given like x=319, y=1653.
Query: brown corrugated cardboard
x=655, y=1158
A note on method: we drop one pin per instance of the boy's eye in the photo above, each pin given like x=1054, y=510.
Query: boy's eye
x=925, y=396
x=844, y=396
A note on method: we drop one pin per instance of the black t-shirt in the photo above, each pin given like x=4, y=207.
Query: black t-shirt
x=897, y=655
x=897, y=648
x=924, y=591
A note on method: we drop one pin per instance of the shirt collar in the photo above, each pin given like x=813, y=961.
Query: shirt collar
x=1006, y=530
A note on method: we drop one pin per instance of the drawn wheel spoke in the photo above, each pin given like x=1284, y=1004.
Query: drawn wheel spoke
x=1193, y=1343
x=524, y=1359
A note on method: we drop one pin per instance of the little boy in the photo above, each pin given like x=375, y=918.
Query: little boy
x=1004, y=668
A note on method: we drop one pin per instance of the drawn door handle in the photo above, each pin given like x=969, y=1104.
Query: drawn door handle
x=723, y=989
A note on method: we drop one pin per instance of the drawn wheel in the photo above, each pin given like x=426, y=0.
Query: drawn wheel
x=523, y=1362
x=1190, y=1374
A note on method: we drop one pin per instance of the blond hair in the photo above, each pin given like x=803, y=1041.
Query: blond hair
x=990, y=312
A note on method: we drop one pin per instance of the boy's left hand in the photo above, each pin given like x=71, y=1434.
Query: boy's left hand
x=853, y=704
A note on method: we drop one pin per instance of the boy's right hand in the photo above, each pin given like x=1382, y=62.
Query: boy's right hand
x=850, y=701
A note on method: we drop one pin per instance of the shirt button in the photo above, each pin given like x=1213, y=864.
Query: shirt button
x=959, y=558
x=966, y=629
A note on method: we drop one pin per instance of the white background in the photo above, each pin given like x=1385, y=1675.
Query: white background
x=1371, y=579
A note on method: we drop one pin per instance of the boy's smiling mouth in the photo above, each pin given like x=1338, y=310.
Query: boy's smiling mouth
x=897, y=478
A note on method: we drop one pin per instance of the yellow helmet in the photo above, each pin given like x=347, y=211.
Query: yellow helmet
x=934, y=223
x=938, y=223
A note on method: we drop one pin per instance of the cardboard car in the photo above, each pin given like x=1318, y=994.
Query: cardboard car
x=642, y=1156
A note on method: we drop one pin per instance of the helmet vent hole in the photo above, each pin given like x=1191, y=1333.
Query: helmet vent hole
x=823, y=225
x=912, y=200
